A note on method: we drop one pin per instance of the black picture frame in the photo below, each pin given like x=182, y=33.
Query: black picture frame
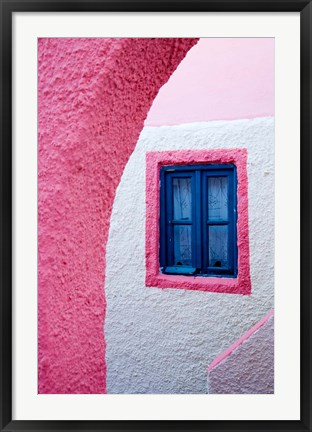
x=8, y=7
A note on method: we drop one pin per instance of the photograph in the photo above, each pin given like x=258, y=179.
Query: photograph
x=156, y=215
x=155, y=196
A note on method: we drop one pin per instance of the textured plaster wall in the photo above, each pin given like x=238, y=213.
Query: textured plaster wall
x=249, y=368
x=94, y=95
x=162, y=340
x=219, y=79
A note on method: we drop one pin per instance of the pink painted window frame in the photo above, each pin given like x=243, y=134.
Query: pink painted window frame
x=154, y=278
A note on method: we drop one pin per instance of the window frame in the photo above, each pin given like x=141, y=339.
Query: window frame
x=155, y=160
x=199, y=173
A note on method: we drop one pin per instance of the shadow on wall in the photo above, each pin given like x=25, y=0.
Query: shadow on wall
x=247, y=366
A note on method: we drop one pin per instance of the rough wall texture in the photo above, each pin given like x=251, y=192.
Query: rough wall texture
x=162, y=340
x=249, y=368
x=94, y=95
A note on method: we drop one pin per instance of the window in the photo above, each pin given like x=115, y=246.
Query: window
x=206, y=215
x=198, y=220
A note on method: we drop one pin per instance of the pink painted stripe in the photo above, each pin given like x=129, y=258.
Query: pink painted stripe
x=240, y=341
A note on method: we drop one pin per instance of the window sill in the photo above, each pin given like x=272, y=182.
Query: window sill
x=235, y=285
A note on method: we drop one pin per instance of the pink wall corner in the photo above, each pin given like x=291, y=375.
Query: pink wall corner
x=154, y=161
x=240, y=341
x=94, y=94
x=247, y=366
x=219, y=79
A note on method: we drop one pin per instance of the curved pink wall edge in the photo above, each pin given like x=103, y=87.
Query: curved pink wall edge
x=94, y=95
x=154, y=161
x=240, y=341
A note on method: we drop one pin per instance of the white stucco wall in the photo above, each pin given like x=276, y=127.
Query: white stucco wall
x=162, y=340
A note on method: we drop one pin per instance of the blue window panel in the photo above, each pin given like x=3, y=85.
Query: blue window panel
x=198, y=220
x=218, y=250
x=182, y=198
x=182, y=245
x=179, y=217
x=218, y=198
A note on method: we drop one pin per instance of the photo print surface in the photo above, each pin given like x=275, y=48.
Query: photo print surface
x=156, y=215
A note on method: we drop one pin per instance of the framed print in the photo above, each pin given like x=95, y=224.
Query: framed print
x=155, y=215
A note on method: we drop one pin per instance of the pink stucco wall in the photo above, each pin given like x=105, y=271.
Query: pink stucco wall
x=219, y=79
x=94, y=95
